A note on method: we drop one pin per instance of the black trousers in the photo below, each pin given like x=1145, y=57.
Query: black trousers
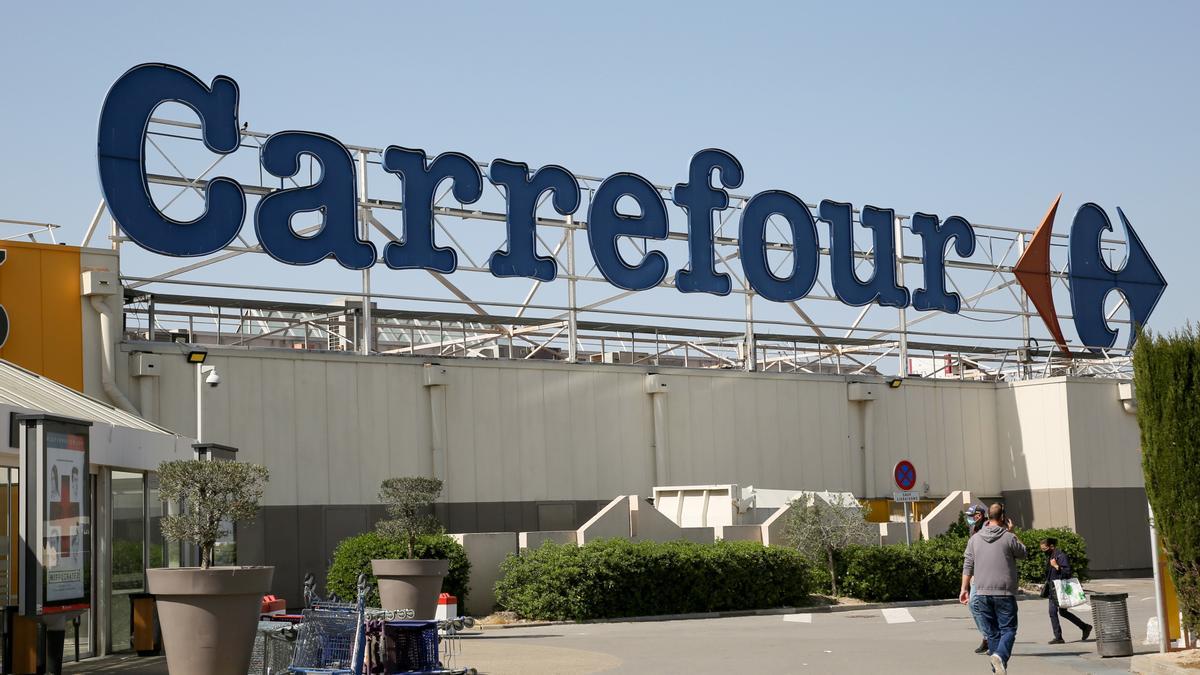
x=1056, y=611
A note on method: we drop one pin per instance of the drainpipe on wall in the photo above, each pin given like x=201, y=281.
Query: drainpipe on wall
x=436, y=378
x=145, y=369
x=657, y=387
x=865, y=393
x=97, y=286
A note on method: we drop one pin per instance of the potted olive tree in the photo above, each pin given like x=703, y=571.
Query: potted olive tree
x=209, y=613
x=410, y=583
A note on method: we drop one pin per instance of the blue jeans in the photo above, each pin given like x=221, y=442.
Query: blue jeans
x=997, y=616
x=974, y=614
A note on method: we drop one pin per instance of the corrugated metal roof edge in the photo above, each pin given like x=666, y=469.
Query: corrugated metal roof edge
x=69, y=402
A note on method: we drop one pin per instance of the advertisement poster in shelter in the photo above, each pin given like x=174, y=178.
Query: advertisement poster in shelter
x=63, y=547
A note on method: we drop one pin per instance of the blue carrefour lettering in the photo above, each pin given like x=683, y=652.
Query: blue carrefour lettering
x=334, y=196
x=121, y=144
x=934, y=237
x=420, y=178
x=712, y=173
x=520, y=259
x=753, y=243
x=699, y=199
x=606, y=225
x=881, y=287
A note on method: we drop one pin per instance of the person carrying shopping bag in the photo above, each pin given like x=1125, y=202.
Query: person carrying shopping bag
x=1058, y=568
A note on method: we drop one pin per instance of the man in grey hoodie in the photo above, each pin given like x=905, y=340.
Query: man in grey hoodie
x=991, y=560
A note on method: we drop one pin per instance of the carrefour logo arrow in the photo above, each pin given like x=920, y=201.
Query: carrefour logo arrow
x=1091, y=279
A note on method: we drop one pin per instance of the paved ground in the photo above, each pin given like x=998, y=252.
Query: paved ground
x=916, y=640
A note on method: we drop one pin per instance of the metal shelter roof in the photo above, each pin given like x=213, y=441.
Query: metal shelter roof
x=25, y=389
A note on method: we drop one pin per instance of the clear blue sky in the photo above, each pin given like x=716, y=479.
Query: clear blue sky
x=986, y=110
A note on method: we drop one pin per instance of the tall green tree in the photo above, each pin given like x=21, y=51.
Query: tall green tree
x=1166, y=371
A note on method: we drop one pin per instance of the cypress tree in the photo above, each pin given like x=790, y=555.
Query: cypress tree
x=1167, y=376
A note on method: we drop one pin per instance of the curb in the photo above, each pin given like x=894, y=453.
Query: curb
x=1159, y=664
x=778, y=611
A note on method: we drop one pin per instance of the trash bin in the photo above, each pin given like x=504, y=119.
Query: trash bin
x=143, y=625
x=1111, y=615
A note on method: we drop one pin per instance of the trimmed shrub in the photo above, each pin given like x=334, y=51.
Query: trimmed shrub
x=882, y=573
x=353, y=556
x=1166, y=370
x=932, y=570
x=618, y=578
x=1033, y=567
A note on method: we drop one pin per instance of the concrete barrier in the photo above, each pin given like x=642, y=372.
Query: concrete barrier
x=774, y=529
x=742, y=533
x=611, y=522
x=534, y=540
x=485, y=550
x=699, y=535
x=648, y=524
x=891, y=533
x=945, y=513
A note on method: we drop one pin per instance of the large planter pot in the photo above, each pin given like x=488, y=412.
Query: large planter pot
x=410, y=584
x=209, y=617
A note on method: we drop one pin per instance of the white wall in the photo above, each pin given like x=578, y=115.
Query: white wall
x=330, y=427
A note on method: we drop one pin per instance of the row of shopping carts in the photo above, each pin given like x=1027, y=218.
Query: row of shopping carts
x=341, y=638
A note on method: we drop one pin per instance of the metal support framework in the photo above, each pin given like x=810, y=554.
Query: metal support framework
x=580, y=316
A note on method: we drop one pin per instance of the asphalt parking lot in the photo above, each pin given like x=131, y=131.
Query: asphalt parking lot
x=934, y=639
x=937, y=639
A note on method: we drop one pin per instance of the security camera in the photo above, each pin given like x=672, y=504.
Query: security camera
x=213, y=379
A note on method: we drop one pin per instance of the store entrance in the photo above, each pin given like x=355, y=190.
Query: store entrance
x=136, y=545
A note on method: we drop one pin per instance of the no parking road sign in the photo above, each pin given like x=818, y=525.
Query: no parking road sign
x=905, y=474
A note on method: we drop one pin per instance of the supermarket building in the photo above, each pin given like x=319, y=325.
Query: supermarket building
x=538, y=411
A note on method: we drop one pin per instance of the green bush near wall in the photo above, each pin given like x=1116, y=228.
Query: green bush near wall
x=618, y=578
x=932, y=570
x=353, y=556
x=1033, y=568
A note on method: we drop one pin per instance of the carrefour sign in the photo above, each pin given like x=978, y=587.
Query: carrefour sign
x=131, y=101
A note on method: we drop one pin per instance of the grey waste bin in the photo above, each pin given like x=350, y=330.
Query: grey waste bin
x=1111, y=616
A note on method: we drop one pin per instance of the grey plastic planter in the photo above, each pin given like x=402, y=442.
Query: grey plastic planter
x=410, y=584
x=209, y=616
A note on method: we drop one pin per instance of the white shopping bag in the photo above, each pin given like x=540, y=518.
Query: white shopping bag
x=1069, y=592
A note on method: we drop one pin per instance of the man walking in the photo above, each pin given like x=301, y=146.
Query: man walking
x=976, y=519
x=991, y=561
x=1058, y=566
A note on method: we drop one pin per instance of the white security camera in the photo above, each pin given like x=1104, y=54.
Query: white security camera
x=213, y=379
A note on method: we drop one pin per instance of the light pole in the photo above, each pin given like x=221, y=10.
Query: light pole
x=204, y=375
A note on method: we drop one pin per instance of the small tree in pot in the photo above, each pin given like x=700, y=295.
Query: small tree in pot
x=410, y=583
x=208, y=613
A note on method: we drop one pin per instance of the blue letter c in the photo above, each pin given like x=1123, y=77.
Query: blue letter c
x=121, y=145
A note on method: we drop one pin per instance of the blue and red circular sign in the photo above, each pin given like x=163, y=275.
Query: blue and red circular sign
x=905, y=474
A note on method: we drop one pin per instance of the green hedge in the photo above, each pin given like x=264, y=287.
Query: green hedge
x=932, y=570
x=617, y=578
x=1033, y=568
x=353, y=556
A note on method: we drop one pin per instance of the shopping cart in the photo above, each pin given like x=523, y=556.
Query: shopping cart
x=330, y=640
x=273, y=646
x=401, y=647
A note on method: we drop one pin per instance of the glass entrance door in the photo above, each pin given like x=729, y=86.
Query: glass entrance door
x=128, y=553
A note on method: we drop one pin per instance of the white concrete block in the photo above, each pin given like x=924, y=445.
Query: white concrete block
x=610, y=522
x=534, y=540
x=774, y=528
x=699, y=535
x=647, y=524
x=742, y=533
x=485, y=550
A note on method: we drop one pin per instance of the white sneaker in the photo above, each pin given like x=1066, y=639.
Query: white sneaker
x=998, y=665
